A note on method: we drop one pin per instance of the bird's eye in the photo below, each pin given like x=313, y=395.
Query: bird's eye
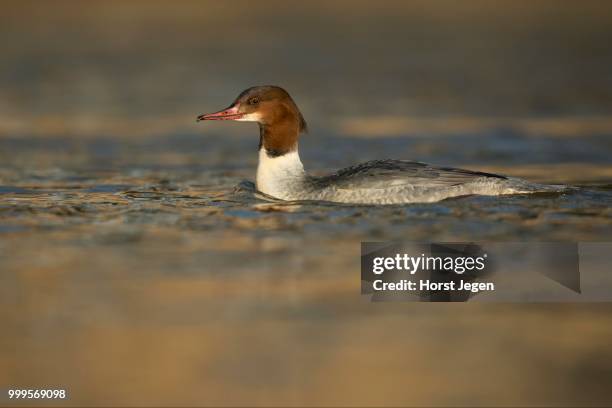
x=253, y=101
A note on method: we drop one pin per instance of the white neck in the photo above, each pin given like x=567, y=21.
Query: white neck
x=277, y=176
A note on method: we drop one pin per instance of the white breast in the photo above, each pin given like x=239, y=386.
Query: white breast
x=279, y=176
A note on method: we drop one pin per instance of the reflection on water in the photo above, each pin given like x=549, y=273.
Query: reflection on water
x=161, y=278
x=137, y=266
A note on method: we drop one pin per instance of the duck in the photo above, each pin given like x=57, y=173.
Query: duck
x=281, y=175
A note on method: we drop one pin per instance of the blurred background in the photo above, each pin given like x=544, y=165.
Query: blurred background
x=137, y=268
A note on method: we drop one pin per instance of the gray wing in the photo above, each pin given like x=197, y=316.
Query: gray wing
x=380, y=174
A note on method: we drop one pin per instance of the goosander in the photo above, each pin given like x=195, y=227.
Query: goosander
x=281, y=175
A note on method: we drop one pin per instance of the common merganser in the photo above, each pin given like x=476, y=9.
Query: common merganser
x=281, y=175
